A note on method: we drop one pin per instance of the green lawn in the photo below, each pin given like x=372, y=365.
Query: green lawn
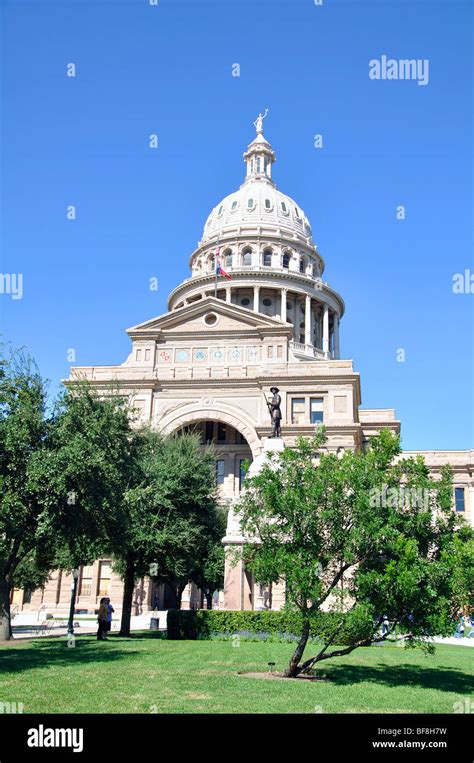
x=149, y=674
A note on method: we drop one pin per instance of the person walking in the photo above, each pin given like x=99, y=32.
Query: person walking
x=108, y=617
x=101, y=619
x=460, y=623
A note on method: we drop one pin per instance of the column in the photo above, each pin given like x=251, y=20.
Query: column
x=307, y=321
x=283, y=305
x=256, y=298
x=326, y=330
x=336, y=336
x=228, y=294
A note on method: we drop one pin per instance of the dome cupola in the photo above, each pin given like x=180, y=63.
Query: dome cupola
x=257, y=252
x=257, y=201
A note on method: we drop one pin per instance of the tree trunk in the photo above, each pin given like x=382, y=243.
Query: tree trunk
x=5, y=621
x=209, y=599
x=128, y=586
x=292, y=669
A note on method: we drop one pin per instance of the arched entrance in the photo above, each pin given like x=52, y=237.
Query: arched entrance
x=210, y=410
x=231, y=452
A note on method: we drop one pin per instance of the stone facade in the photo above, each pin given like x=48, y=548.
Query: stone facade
x=210, y=361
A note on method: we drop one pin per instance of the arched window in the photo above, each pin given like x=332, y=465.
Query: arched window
x=268, y=204
x=212, y=263
x=247, y=257
x=228, y=258
x=250, y=203
x=286, y=260
x=267, y=258
x=284, y=208
x=302, y=265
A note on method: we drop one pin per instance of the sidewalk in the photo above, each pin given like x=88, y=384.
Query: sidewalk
x=31, y=628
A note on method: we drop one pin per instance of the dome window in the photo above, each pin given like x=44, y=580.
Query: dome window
x=267, y=302
x=250, y=203
x=302, y=265
x=284, y=208
x=297, y=213
x=267, y=258
x=228, y=259
x=221, y=209
x=286, y=261
x=234, y=206
x=268, y=204
x=247, y=257
x=245, y=301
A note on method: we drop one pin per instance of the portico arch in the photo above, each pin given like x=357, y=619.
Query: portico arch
x=210, y=410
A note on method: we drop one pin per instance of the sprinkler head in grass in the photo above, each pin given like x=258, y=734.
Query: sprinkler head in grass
x=271, y=665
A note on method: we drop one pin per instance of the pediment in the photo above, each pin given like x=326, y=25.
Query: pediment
x=191, y=319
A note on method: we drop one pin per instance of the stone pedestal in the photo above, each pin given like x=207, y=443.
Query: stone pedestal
x=238, y=582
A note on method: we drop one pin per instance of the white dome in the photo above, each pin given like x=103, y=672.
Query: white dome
x=258, y=202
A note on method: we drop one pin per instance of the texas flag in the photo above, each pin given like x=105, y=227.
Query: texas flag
x=219, y=269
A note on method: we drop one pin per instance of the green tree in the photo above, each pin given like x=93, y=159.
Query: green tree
x=208, y=568
x=63, y=474
x=23, y=430
x=170, y=514
x=368, y=535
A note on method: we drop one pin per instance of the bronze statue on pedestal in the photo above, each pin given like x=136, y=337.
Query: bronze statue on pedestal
x=275, y=411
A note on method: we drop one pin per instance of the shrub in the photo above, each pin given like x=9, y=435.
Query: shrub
x=204, y=623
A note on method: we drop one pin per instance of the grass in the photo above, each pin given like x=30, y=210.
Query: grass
x=147, y=673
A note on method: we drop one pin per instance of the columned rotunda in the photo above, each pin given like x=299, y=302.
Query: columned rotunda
x=209, y=362
x=265, y=243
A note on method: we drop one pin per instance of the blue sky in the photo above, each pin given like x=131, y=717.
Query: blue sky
x=167, y=69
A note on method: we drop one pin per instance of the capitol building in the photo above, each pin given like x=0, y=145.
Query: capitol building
x=209, y=362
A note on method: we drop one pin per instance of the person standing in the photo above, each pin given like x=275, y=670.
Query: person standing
x=108, y=617
x=101, y=619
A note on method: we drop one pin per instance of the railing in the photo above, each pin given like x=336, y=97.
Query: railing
x=307, y=349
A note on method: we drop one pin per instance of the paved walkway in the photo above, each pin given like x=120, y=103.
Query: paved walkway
x=33, y=629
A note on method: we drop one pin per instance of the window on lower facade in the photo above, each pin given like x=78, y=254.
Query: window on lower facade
x=297, y=410
x=209, y=433
x=241, y=473
x=85, y=587
x=220, y=471
x=105, y=574
x=459, y=499
x=316, y=410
